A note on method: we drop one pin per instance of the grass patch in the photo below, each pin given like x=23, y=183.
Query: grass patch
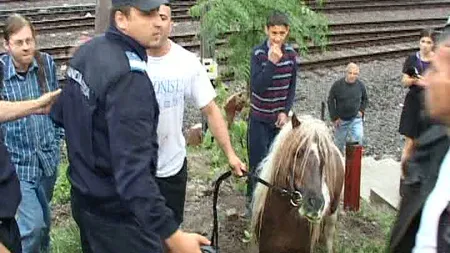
x=366, y=231
x=65, y=238
x=61, y=194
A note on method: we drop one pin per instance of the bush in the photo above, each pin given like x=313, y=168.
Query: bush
x=247, y=19
x=238, y=138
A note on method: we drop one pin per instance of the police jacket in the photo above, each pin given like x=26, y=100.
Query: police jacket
x=421, y=177
x=9, y=184
x=10, y=195
x=110, y=114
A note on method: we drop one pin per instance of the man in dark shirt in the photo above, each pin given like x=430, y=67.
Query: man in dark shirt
x=9, y=183
x=347, y=101
x=109, y=111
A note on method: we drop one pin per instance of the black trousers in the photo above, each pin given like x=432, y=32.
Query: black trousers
x=174, y=191
x=10, y=235
x=103, y=234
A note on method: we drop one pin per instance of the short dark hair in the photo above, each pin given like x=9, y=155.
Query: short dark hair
x=14, y=23
x=277, y=18
x=428, y=33
x=124, y=9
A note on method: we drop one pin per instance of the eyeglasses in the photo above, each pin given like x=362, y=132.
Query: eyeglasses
x=20, y=43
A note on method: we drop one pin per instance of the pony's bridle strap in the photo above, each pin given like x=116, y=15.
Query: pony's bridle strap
x=295, y=195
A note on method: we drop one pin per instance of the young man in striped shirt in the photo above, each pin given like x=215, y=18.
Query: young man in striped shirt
x=273, y=79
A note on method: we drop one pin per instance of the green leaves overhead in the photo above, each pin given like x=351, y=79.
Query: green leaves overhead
x=248, y=18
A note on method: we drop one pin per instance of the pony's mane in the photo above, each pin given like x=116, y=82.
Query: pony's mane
x=311, y=136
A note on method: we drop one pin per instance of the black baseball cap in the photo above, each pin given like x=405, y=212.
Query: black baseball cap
x=143, y=5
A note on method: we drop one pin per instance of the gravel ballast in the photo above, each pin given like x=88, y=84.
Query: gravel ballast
x=386, y=96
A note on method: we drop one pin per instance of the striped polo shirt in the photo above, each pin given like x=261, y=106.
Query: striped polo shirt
x=272, y=85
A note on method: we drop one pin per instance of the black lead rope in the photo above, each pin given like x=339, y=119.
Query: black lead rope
x=215, y=234
x=294, y=195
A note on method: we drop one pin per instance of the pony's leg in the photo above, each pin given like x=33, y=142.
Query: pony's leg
x=329, y=231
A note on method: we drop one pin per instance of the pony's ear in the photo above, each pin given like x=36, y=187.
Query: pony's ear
x=295, y=121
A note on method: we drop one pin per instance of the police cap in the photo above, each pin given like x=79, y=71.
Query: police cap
x=143, y=5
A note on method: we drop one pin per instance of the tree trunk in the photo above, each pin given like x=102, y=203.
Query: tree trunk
x=102, y=16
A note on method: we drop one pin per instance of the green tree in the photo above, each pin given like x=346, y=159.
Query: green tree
x=247, y=19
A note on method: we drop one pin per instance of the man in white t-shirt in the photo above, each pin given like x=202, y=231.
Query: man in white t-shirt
x=176, y=75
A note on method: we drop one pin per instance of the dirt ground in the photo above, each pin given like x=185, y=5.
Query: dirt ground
x=364, y=231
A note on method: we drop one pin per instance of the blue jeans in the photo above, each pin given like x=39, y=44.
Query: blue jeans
x=34, y=216
x=349, y=129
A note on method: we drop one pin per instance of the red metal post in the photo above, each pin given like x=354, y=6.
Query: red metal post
x=353, y=156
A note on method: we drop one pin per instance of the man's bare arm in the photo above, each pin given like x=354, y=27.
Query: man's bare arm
x=3, y=249
x=10, y=111
x=220, y=132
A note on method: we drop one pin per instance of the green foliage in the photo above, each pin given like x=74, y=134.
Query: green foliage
x=222, y=94
x=247, y=19
x=238, y=138
x=61, y=194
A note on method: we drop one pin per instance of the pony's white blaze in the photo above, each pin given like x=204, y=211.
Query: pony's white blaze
x=326, y=196
x=325, y=191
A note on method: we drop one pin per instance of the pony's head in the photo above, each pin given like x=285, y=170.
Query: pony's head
x=304, y=159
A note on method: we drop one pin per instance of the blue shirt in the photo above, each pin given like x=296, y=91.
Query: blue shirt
x=34, y=141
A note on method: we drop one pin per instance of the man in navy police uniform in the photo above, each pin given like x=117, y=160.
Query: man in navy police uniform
x=110, y=114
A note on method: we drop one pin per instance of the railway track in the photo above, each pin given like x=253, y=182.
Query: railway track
x=343, y=36
x=392, y=5
x=372, y=28
x=328, y=62
x=48, y=13
x=315, y=59
x=338, y=3
x=81, y=22
x=188, y=41
x=181, y=9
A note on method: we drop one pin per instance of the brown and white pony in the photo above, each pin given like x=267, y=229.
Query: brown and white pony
x=303, y=158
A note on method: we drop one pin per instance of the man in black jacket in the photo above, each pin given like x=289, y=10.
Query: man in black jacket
x=110, y=114
x=347, y=101
x=423, y=222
